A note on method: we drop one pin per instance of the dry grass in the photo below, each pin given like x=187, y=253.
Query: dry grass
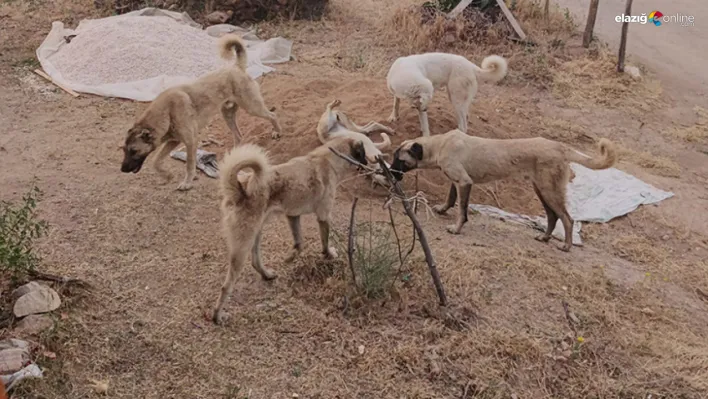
x=696, y=133
x=157, y=260
x=656, y=164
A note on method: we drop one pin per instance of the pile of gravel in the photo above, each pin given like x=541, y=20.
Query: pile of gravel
x=132, y=49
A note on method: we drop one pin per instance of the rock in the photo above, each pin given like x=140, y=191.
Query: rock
x=14, y=343
x=26, y=289
x=665, y=237
x=218, y=17
x=41, y=300
x=33, y=324
x=13, y=359
x=633, y=72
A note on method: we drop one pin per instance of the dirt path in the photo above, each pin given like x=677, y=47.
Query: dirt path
x=676, y=53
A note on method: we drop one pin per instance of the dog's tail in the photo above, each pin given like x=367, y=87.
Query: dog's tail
x=228, y=44
x=385, y=144
x=242, y=157
x=494, y=68
x=606, y=159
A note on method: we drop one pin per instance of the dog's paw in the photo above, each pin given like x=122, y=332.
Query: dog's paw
x=166, y=176
x=542, y=238
x=292, y=256
x=564, y=247
x=392, y=119
x=440, y=209
x=275, y=135
x=331, y=253
x=218, y=317
x=335, y=103
x=452, y=229
x=184, y=186
x=268, y=274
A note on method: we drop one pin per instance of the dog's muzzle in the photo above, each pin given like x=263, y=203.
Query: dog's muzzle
x=133, y=165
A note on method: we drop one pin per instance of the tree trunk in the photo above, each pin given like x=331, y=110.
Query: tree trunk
x=623, y=40
x=590, y=25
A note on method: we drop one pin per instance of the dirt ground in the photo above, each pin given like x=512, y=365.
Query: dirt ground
x=156, y=259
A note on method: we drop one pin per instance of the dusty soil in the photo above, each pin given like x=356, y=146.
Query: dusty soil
x=156, y=259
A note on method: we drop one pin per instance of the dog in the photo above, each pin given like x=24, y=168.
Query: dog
x=415, y=77
x=466, y=160
x=179, y=113
x=335, y=123
x=303, y=185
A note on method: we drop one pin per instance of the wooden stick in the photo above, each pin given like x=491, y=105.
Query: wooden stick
x=459, y=8
x=546, y=10
x=510, y=17
x=590, y=25
x=623, y=40
x=49, y=78
x=418, y=228
x=350, y=243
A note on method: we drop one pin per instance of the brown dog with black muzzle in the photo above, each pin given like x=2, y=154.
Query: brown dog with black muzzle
x=467, y=159
x=179, y=113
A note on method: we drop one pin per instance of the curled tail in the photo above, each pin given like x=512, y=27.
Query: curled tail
x=494, y=68
x=606, y=159
x=242, y=157
x=228, y=44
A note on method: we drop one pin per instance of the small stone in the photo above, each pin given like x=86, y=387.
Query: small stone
x=665, y=237
x=361, y=349
x=647, y=311
x=25, y=289
x=296, y=396
x=41, y=300
x=13, y=359
x=33, y=324
x=633, y=72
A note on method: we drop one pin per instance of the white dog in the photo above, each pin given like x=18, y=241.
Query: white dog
x=415, y=77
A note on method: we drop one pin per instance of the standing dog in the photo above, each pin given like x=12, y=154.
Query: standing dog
x=179, y=113
x=303, y=185
x=415, y=77
x=466, y=160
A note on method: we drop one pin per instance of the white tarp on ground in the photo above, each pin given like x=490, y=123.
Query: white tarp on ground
x=593, y=196
x=272, y=51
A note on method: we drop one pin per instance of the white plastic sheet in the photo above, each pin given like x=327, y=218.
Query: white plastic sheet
x=593, y=196
x=272, y=51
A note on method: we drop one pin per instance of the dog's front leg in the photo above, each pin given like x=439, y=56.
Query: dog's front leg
x=424, y=127
x=396, y=108
x=463, y=191
x=191, y=173
x=228, y=111
x=451, y=198
x=327, y=251
x=164, y=152
x=294, y=223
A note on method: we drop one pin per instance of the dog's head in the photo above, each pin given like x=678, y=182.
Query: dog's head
x=358, y=152
x=139, y=143
x=405, y=158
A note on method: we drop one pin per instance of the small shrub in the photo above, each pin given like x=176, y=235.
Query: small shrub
x=19, y=229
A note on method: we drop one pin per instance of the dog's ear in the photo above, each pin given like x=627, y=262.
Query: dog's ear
x=416, y=151
x=147, y=135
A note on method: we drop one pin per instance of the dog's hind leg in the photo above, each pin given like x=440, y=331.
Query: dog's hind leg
x=551, y=217
x=160, y=158
x=259, y=109
x=552, y=189
x=256, y=262
x=228, y=111
x=374, y=127
x=449, y=203
x=236, y=259
x=294, y=223
x=396, y=109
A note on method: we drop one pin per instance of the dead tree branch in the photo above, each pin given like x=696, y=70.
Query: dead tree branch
x=419, y=229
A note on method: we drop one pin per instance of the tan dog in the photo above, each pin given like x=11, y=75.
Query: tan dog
x=415, y=78
x=466, y=160
x=179, y=113
x=303, y=185
x=335, y=123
